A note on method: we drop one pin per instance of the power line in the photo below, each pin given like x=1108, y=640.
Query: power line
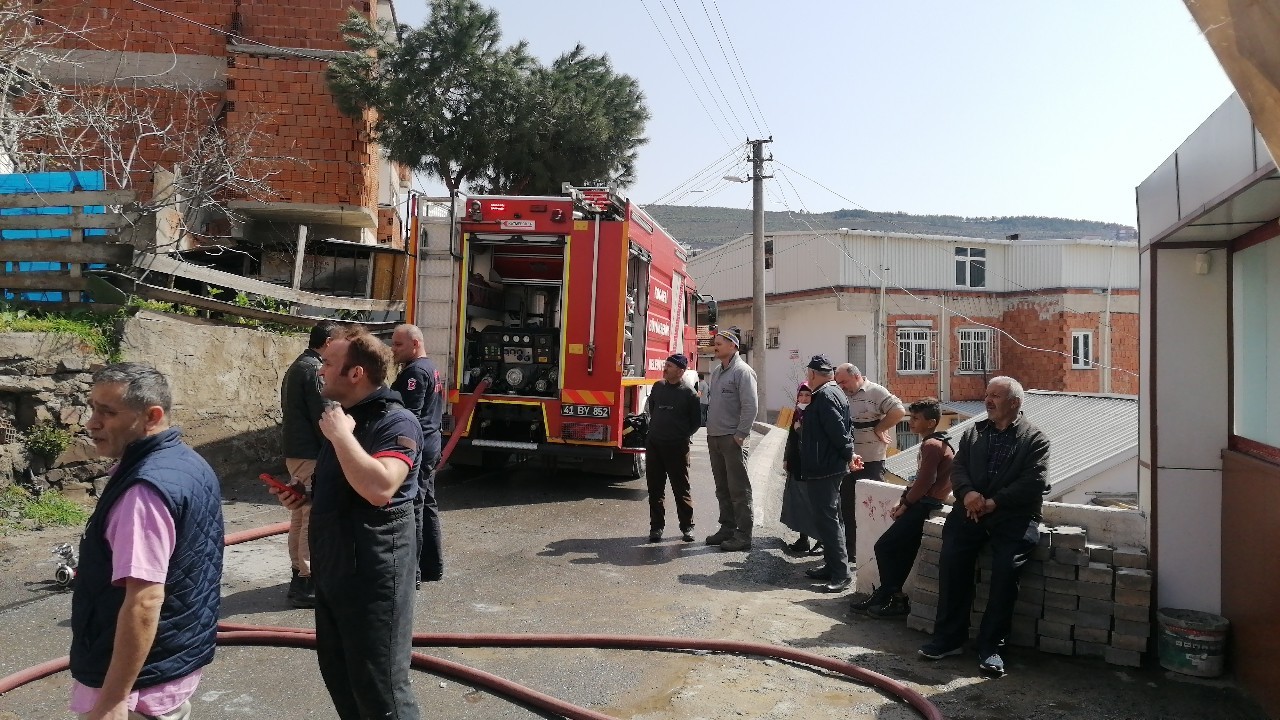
x=716, y=176
x=698, y=46
x=697, y=70
x=680, y=66
x=750, y=111
x=733, y=149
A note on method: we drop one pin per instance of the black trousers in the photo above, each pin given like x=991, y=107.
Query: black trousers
x=871, y=470
x=665, y=460
x=897, y=547
x=364, y=563
x=1012, y=540
x=426, y=517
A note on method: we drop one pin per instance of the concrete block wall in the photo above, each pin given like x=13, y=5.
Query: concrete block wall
x=1075, y=597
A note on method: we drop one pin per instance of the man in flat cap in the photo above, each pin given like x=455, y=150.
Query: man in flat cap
x=730, y=414
x=826, y=454
x=674, y=416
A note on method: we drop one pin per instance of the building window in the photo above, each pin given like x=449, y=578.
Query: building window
x=971, y=267
x=915, y=350
x=905, y=437
x=977, y=350
x=1256, y=336
x=1082, y=349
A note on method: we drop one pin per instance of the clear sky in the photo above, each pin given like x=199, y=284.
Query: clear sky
x=998, y=107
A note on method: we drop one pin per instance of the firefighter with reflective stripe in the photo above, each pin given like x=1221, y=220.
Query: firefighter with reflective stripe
x=422, y=393
x=673, y=418
x=363, y=545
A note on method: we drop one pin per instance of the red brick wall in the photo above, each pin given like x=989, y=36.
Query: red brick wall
x=289, y=101
x=325, y=156
x=1040, y=326
x=126, y=25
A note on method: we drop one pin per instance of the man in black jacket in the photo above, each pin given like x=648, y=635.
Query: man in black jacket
x=826, y=454
x=674, y=416
x=301, y=407
x=999, y=477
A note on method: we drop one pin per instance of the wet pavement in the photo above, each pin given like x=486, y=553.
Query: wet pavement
x=535, y=551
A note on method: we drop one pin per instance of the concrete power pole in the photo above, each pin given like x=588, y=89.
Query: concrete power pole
x=760, y=330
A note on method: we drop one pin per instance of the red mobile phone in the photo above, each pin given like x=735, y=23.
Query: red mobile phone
x=268, y=479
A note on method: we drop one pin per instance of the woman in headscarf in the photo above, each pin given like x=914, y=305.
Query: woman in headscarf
x=795, y=505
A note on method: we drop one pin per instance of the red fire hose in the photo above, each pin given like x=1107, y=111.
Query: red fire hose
x=256, y=635
x=240, y=634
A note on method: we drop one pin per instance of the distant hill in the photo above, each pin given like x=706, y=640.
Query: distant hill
x=707, y=227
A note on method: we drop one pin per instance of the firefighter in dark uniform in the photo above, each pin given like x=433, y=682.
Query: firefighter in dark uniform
x=422, y=393
x=674, y=416
x=363, y=545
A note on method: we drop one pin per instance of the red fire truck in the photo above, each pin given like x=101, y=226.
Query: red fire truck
x=567, y=310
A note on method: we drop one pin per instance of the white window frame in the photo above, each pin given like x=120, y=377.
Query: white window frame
x=916, y=337
x=904, y=437
x=1082, y=360
x=970, y=340
x=966, y=259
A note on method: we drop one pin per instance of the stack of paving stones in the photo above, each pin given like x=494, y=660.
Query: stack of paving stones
x=1075, y=598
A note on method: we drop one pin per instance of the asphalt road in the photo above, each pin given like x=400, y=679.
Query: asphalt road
x=530, y=551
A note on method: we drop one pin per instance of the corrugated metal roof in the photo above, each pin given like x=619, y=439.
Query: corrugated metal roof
x=968, y=408
x=1087, y=434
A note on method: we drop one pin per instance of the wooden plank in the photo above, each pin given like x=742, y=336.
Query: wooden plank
x=170, y=266
x=42, y=281
x=63, y=251
x=101, y=308
x=152, y=292
x=74, y=199
x=63, y=222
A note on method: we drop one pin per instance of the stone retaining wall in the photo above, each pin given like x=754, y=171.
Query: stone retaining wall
x=226, y=392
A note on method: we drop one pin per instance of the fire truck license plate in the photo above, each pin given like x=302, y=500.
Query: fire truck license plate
x=591, y=411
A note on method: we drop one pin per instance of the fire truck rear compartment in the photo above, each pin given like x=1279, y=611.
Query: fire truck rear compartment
x=513, y=310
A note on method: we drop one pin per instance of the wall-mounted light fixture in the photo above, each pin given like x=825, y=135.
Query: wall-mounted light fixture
x=1203, y=263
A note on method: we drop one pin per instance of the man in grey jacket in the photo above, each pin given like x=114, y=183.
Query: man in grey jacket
x=301, y=407
x=731, y=412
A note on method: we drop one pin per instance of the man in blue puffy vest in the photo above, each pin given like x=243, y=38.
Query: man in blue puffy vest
x=144, y=613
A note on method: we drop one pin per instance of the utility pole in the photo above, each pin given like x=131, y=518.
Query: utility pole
x=760, y=330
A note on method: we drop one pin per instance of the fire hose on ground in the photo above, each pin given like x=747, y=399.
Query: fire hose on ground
x=258, y=635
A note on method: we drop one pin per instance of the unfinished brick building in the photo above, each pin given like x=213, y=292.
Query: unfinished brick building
x=250, y=69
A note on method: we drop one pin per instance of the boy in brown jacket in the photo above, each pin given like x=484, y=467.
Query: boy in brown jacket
x=897, y=547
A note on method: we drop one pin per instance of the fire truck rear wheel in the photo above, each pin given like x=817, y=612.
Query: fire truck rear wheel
x=637, y=466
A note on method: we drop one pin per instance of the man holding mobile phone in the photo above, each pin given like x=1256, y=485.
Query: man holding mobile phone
x=301, y=406
x=363, y=545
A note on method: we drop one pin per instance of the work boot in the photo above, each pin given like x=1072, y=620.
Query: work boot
x=304, y=596
x=897, y=606
x=735, y=544
x=293, y=585
x=878, y=597
x=686, y=534
x=655, y=534
x=719, y=536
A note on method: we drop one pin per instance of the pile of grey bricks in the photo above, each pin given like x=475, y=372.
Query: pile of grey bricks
x=1075, y=598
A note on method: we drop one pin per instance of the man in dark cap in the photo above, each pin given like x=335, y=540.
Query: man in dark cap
x=826, y=455
x=674, y=416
